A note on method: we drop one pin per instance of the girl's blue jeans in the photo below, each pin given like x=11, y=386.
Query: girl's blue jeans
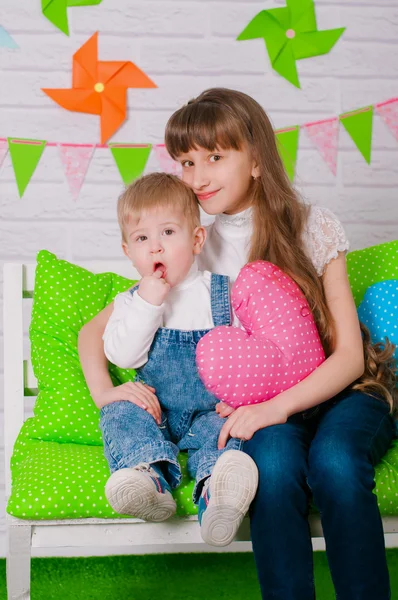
x=328, y=454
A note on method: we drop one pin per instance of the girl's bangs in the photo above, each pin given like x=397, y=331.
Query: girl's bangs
x=203, y=125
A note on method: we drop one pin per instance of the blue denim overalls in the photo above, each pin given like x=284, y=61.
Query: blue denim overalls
x=189, y=420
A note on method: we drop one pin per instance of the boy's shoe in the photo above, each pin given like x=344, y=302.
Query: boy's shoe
x=226, y=497
x=141, y=492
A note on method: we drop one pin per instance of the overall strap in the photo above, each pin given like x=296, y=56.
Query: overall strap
x=220, y=300
x=134, y=289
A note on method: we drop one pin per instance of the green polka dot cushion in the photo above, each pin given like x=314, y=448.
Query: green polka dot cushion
x=65, y=297
x=58, y=466
x=66, y=481
x=371, y=265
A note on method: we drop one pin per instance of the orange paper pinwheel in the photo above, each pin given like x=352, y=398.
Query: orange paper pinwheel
x=99, y=88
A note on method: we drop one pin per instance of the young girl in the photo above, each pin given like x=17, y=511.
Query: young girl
x=322, y=437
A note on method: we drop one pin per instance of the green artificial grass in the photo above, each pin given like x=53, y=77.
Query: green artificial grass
x=166, y=576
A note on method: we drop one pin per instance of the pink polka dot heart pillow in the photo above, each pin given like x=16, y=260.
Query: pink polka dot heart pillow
x=277, y=346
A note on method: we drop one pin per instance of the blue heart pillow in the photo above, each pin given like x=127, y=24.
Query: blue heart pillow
x=379, y=312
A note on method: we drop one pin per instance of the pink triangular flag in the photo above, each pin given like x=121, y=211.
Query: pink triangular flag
x=3, y=150
x=167, y=164
x=389, y=113
x=75, y=160
x=325, y=135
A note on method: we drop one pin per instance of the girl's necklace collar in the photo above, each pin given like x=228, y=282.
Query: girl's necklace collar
x=241, y=219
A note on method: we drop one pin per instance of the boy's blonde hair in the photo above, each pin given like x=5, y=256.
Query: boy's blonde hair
x=157, y=190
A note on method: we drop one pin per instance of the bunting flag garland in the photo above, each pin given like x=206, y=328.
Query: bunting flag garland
x=130, y=160
x=25, y=156
x=325, y=136
x=3, y=150
x=288, y=146
x=75, y=160
x=167, y=164
x=359, y=125
x=389, y=113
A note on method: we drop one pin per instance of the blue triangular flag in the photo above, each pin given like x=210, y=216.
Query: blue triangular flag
x=6, y=40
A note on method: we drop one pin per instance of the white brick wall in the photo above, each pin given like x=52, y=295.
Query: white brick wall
x=186, y=46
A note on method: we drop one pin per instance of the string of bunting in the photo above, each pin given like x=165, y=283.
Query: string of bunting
x=131, y=159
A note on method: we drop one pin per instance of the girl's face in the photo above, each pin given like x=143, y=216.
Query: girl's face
x=220, y=179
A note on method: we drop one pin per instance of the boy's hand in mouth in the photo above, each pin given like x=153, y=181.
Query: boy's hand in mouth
x=160, y=267
x=154, y=288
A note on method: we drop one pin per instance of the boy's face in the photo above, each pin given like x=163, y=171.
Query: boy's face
x=162, y=238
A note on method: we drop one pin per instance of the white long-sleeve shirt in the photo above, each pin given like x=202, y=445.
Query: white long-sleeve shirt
x=132, y=326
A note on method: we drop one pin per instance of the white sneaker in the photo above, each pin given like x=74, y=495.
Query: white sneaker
x=141, y=492
x=226, y=497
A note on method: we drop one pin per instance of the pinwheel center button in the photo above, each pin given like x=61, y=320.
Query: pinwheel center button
x=99, y=87
x=290, y=33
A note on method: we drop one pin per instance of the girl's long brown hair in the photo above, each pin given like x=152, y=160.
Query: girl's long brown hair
x=222, y=118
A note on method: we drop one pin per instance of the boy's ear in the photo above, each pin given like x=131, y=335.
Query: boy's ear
x=125, y=249
x=200, y=235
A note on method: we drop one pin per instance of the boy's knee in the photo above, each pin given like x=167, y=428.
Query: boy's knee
x=121, y=415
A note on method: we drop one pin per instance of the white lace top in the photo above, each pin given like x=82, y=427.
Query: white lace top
x=324, y=237
x=228, y=241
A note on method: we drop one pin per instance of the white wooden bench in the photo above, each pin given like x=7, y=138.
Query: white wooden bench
x=78, y=537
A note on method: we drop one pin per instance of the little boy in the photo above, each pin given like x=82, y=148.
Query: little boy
x=155, y=328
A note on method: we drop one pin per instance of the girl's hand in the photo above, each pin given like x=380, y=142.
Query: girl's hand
x=246, y=420
x=133, y=391
x=154, y=288
x=224, y=410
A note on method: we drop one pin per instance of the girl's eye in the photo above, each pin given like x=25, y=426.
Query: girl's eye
x=141, y=238
x=215, y=158
x=187, y=163
x=168, y=231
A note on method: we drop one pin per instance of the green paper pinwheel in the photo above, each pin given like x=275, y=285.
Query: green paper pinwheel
x=290, y=33
x=56, y=11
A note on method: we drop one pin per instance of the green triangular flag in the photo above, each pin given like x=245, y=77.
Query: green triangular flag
x=25, y=155
x=288, y=146
x=359, y=125
x=130, y=160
